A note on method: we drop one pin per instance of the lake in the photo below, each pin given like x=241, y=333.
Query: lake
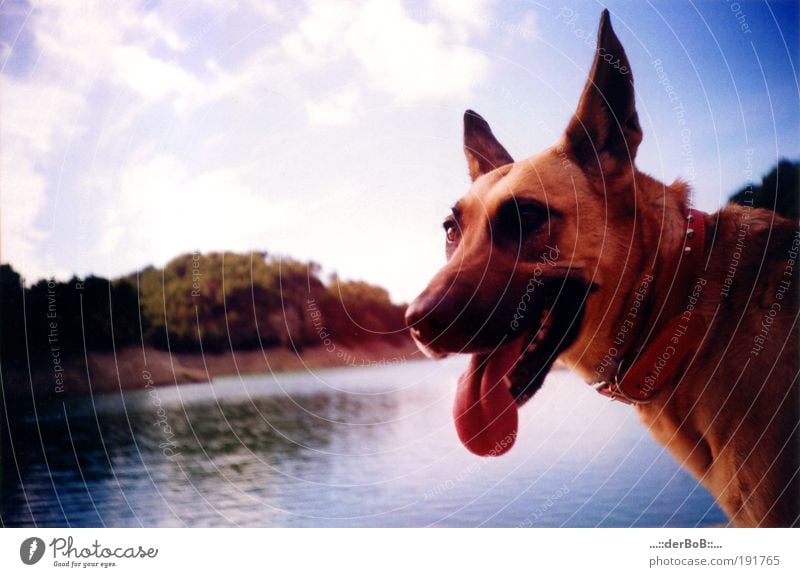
x=370, y=446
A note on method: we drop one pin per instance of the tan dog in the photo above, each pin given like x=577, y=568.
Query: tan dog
x=573, y=254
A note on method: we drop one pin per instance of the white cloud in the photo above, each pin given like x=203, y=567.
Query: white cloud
x=157, y=28
x=5, y=52
x=262, y=8
x=162, y=208
x=34, y=117
x=113, y=70
x=525, y=30
x=317, y=38
x=79, y=47
x=470, y=15
x=42, y=113
x=404, y=58
x=152, y=78
x=89, y=43
x=334, y=109
x=76, y=39
x=22, y=195
x=409, y=60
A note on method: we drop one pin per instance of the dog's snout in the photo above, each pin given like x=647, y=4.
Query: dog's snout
x=419, y=311
x=454, y=314
x=427, y=316
x=414, y=313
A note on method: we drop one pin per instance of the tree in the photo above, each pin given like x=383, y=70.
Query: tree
x=779, y=190
x=358, y=312
x=229, y=300
x=12, y=327
x=219, y=301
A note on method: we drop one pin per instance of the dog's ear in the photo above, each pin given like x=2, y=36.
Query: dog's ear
x=605, y=126
x=484, y=153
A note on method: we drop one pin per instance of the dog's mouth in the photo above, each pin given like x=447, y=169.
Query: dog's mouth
x=497, y=383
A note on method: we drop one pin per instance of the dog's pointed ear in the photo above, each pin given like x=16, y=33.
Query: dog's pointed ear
x=484, y=153
x=605, y=125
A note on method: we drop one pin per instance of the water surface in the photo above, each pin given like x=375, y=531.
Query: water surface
x=336, y=447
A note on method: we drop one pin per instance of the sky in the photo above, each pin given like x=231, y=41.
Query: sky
x=131, y=132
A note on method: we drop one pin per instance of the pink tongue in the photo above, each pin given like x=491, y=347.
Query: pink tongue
x=485, y=412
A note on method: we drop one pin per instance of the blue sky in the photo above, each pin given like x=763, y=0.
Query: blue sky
x=132, y=132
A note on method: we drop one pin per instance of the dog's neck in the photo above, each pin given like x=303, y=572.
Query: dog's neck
x=674, y=247
x=629, y=310
x=663, y=345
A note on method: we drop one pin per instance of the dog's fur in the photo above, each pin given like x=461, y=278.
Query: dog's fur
x=730, y=415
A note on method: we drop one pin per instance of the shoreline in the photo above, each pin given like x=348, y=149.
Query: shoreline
x=134, y=368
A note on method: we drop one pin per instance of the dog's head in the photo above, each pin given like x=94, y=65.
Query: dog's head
x=523, y=249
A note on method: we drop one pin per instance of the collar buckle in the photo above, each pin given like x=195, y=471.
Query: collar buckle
x=612, y=390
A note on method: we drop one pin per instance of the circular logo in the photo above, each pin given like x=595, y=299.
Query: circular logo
x=31, y=550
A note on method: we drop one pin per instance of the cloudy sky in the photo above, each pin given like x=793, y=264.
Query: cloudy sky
x=131, y=132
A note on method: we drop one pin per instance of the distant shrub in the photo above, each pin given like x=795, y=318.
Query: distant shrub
x=211, y=302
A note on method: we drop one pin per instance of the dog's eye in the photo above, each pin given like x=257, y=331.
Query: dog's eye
x=518, y=219
x=531, y=215
x=450, y=231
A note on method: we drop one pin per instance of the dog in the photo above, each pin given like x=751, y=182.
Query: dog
x=573, y=255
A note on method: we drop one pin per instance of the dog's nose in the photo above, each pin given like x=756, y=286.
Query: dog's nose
x=427, y=316
x=416, y=311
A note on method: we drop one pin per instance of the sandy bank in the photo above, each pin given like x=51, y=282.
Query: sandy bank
x=135, y=367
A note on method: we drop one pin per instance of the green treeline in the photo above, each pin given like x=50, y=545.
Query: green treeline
x=217, y=301
x=779, y=190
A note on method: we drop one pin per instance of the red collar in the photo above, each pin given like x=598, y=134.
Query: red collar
x=667, y=344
